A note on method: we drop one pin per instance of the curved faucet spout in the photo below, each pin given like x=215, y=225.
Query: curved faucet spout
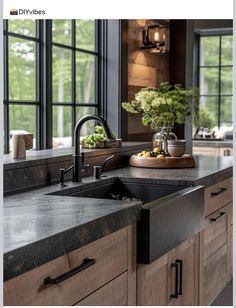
x=78, y=161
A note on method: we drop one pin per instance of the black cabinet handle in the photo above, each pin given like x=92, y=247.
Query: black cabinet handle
x=175, y=295
x=221, y=215
x=180, y=263
x=85, y=264
x=213, y=194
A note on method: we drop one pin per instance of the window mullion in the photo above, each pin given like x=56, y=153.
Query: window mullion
x=47, y=84
x=73, y=77
x=219, y=83
x=6, y=89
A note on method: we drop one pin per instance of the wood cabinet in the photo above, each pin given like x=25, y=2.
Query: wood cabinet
x=184, y=258
x=172, y=279
x=216, y=242
x=152, y=283
x=94, y=266
x=212, y=151
x=114, y=293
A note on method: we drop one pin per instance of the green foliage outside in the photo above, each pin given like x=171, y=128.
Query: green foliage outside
x=209, y=76
x=22, y=75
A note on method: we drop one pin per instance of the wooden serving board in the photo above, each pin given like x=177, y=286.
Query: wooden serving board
x=186, y=161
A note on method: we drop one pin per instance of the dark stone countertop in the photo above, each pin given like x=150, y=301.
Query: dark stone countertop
x=213, y=143
x=39, y=227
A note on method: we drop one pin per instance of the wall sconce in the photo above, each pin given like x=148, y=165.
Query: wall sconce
x=155, y=39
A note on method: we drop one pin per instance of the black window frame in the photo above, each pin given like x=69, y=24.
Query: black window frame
x=44, y=127
x=211, y=33
x=6, y=101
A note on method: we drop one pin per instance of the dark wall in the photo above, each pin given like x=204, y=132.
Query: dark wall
x=177, y=59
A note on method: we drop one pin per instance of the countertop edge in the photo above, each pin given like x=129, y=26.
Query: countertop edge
x=67, y=241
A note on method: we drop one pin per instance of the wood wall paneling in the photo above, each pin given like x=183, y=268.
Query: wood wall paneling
x=144, y=70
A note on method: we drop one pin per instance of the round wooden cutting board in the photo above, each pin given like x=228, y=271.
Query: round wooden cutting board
x=186, y=161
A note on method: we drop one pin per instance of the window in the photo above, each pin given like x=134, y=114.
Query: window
x=215, y=77
x=74, y=66
x=22, y=98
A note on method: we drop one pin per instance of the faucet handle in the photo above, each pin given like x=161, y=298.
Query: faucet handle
x=105, y=162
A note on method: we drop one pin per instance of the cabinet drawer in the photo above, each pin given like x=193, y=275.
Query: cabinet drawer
x=215, y=233
x=215, y=273
x=110, y=255
x=218, y=195
x=114, y=293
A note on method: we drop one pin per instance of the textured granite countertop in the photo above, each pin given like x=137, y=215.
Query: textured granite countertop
x=39, y=227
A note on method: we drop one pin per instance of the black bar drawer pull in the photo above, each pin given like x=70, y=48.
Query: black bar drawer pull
x=221, y=215
x=85, y=264
x=213, y=194
x=180, y=263
x=175, y=295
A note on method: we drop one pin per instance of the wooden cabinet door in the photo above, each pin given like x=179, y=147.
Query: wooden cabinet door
x=230, y=240
x=114, y=293
x=152, y=283
x=183, y=291
x=216, y=254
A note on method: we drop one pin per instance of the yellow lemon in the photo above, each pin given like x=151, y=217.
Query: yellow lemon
x=160, y=156
x=156, y=150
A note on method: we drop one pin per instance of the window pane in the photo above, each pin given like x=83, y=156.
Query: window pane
x=226, y=80
x=22, y=118
x=61, y=75
x=209, y=50
x=211, y=103
x=85, y=34
x=61, y=31
x=23, y=26
x=226, y=50
x=62, y=126
x=22, y=69
x=88, y=127
x=85, y=78
x=209, y=81
x=226, y=110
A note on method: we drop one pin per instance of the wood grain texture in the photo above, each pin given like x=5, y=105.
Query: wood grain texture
x=110, y=253
x=132, y=264
x=215, y=235
x=215, y=274
x=230, y=240
x=209, y=151
x=213, y=203
x=113, y=293
x=185, y=161
x=188, y=253
x=140, y=75
x=215, y=246
x=152, y=286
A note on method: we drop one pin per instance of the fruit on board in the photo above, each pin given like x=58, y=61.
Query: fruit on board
x=156, y=152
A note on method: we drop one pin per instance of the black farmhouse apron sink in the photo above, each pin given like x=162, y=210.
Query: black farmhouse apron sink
x=170, y=213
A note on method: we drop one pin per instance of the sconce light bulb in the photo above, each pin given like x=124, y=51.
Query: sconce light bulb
x=156, y=36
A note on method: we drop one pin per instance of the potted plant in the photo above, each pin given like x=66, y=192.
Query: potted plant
x=162, y=108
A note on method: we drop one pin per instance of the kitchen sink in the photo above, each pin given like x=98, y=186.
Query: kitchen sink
x=170, y=213
x=117, y=189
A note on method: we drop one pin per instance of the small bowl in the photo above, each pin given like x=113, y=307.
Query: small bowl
x=176, y=148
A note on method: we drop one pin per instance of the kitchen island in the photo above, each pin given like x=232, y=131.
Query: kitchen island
x=39, y=228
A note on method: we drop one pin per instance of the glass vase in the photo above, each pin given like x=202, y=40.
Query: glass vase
x=160, y=139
